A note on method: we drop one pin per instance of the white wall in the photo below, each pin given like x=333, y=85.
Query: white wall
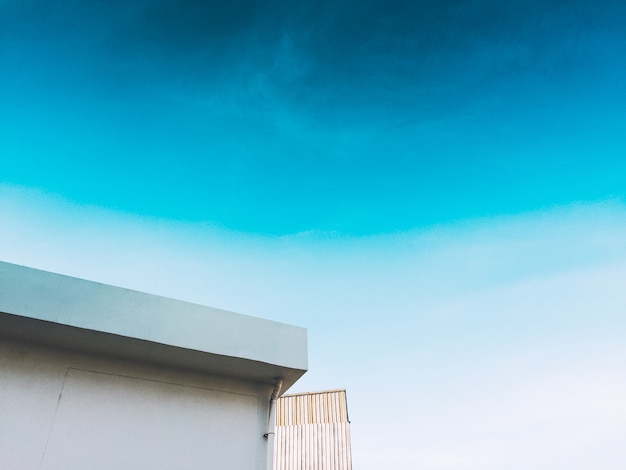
x=64, y=410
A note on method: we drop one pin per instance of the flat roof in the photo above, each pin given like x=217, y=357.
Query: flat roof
x=82, y=315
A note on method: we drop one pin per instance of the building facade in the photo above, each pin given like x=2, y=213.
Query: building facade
x=95, y=376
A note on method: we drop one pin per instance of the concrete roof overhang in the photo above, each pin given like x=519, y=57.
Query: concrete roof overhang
x=90, y=317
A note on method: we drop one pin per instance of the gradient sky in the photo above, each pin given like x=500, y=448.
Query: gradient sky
x=435, y=189
x=271, y=118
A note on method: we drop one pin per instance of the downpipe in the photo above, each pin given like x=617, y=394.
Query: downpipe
x=271, y=424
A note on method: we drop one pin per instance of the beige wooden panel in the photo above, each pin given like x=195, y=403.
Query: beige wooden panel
x=313, y=432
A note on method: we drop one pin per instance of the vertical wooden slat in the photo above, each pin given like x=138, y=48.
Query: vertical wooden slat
x=312, y=432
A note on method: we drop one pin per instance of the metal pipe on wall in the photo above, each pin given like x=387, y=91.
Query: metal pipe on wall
x=271, y=424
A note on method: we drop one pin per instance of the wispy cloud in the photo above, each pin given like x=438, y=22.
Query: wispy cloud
x=486, y=344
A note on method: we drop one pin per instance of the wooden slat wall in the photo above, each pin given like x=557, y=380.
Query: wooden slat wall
x=312, y=432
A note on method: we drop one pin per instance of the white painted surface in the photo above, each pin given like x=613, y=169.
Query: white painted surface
x=65, y=410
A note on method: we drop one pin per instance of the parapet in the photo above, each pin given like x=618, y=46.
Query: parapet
x=90, y=317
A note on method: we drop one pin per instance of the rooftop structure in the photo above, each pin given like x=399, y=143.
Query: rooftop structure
x=74, y=313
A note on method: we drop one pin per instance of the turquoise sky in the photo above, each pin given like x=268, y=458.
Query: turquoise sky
x=274, y=118
x=434, y=189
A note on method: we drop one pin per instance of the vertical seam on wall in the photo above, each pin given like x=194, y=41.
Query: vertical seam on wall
x=54, y=418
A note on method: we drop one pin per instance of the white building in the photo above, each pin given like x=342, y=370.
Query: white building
x=99, y=377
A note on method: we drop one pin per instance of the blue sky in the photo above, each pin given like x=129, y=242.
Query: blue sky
x=434, y=189
x=268, y=118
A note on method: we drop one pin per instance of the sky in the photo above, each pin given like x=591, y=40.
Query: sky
x=435, y=190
